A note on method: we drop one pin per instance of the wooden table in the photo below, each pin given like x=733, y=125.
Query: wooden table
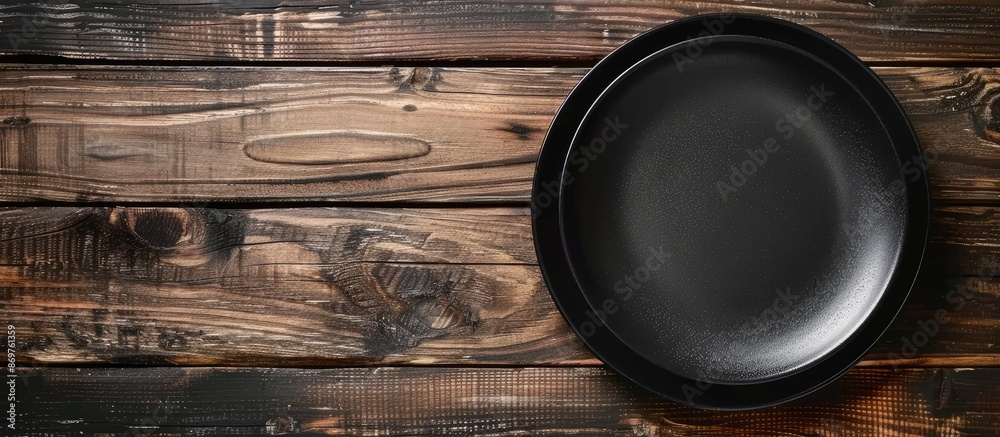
x=307, y=216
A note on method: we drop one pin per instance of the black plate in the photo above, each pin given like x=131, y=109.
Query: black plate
x=730, y=210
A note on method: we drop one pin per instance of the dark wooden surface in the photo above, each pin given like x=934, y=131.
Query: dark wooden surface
x=929, y=31
x=310, y=217
x=490, y=401
x=400, y=134
x=349, y=286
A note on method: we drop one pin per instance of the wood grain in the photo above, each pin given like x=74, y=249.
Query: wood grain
x=366, y=134
x=349, y=286
x=928, y=31
x=278, y=287
x=452, y=294
x=199, y=134
x=488, y=401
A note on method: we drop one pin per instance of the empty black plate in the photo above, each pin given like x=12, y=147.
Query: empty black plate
x=730, y=210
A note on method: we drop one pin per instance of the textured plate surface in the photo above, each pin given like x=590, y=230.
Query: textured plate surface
x=730, y=210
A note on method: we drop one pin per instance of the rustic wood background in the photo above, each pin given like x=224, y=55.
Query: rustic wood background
x=310, y=216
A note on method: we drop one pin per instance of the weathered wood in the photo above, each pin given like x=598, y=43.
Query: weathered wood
x=366, y=134
x=273, y=134
x=279, y=287
x=348, y=286
x=956, y=114
x=378, y=30
x=489, y=401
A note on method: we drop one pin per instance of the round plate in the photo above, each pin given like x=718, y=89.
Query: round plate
x=730, y=210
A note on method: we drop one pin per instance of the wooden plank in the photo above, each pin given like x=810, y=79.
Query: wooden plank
x=282, y=287
x=378, y=30
x=490, y=401
x=349, y=286
x=273, y=134
x=366, y=134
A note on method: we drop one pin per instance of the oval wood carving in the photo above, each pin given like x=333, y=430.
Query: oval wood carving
x=110, y=152
x=334, y=147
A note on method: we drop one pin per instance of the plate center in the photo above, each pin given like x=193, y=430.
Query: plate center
x=731, y=215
